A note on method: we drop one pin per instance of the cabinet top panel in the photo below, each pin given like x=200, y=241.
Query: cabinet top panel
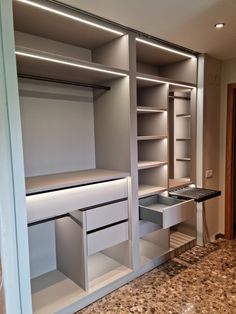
x=56, y=181
x=57, y=22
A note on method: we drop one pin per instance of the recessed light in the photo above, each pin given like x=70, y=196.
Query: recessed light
x=219, y=25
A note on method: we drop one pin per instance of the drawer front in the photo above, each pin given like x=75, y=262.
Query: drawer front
x=105, y=238
x=51, y=204
x=178, y=213
x=105, y=215
x=167, y=213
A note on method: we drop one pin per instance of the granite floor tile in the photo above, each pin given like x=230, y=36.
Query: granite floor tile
x=201, y=280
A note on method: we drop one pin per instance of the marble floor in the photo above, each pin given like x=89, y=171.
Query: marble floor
x=201, y=280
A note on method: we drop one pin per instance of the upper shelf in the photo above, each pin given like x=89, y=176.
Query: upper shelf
x=51, y=182
x=57, y=67
x=60, y=23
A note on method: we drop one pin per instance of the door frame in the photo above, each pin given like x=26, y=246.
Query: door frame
x=230, y=182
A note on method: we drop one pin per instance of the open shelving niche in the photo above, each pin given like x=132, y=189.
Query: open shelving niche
x=74, y=91
x=159, y=73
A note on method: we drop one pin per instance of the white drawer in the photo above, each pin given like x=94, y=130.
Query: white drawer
x=107, y=237
x=105, y=215
x=165, y=211
x=55, y=203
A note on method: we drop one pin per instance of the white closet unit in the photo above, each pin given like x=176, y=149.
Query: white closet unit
x=91, y=152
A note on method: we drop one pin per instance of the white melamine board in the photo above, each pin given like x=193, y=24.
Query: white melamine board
x=112, y=126
x=51, y=204
x=154, y=176
x=70, y=247
x=159, y=237
x=154, y=96
x=146, y=190
x=146, y=227
x=102, y=270
x=146, y=109
x=153, y=150
x=150, y=164
x=54, y=291
x=114, y=53
x=151, y=137
x=49, y=182
x=179, y=182
x=56, y=48
x=152, y=124
x=120, y=253
x=107, y=237
x=57, y=126
x=105, y=215
x=185, y=71
x=42, y=248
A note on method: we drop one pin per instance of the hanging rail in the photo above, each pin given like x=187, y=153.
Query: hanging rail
x=58, y=81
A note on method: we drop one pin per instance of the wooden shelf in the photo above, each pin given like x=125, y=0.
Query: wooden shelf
x=183, y=159
x=50, y=182
x=150, y=164
x=151, y=137
x=144, y=109
x=146, y=190
x=62, y=68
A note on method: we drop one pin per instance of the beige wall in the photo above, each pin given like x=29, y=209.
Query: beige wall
x=228, y=75
x=211, y=139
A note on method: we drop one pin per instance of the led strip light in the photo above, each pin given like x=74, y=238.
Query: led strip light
x=72, y=17
x=164, y=48
x=34, y=56
x=164, y=82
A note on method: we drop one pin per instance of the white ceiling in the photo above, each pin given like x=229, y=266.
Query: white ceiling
x=189, y=23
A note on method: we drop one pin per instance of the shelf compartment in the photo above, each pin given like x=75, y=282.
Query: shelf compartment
x=152, y=180
x=153, y=124
x=153, y=151
x=107, y=266
x=165, y=211
x=67, y=26
x=46, y=65
x=150, y=164
x=152, y=98
x=153, y=246
x=178, y=182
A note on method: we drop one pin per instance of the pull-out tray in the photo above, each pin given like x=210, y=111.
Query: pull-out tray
x=165, y=211
x=198, y=194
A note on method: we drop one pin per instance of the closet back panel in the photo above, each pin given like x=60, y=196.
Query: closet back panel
x=57, y=126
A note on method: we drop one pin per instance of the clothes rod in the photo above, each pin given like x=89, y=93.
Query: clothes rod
x=52, y=80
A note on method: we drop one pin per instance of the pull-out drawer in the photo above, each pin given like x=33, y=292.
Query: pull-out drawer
x=107, y=237
x=165, y=211
x=105, y=215
x=55, y=203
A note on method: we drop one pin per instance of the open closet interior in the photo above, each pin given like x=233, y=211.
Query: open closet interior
x=74, y=78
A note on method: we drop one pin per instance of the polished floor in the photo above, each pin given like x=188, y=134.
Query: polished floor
x=201, y=280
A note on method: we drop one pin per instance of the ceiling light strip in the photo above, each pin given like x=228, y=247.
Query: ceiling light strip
x=72, y=17
x=164, y=48
x=29, y=55
x=163, y=82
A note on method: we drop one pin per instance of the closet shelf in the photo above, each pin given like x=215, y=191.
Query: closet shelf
x=146, y=190
x=173, y=183
x=183, y=115
x=50, y=66
x=50, y=182
x=150, y=164
x=144, y=109
x=183, y=139
x=151, y=137
x=183, y=159
x=147, y=80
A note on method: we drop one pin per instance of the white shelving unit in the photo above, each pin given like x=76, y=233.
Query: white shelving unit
x=102, y=134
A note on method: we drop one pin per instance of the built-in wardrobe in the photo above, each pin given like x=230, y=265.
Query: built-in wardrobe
x=108, y=127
